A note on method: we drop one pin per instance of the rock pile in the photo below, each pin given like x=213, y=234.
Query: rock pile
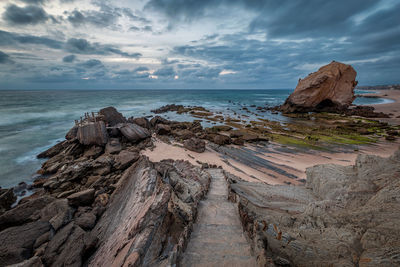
x=99, y=202
x=344, y=216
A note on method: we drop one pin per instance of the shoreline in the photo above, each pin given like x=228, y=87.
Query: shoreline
x=388, y=108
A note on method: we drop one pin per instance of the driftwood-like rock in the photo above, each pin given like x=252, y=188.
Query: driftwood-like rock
x=133, y=132
x=93, y=133
x=331, y=88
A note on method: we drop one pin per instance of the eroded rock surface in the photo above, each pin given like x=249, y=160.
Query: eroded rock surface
x=344, y=216
x=331, y=88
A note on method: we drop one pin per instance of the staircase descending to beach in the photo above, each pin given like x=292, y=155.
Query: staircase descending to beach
x=217, y=238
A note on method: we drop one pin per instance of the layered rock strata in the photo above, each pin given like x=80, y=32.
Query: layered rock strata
x=344, y=216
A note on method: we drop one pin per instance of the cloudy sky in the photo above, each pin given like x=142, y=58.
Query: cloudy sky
x=128, y=44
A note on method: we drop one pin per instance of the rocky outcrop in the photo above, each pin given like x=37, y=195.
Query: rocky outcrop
x=148, y=221
x=111, y=116
x=331, y=88
x=195, y=144
x=344, y=216
x=103, y=206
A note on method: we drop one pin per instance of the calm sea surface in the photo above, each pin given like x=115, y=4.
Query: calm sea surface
x=32, y=121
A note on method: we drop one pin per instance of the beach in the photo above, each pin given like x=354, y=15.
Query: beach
x=389, y=108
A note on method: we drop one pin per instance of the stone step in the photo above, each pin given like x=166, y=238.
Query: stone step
x=197, y=260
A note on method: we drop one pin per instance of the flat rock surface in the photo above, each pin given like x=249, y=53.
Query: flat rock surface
x=217, y=238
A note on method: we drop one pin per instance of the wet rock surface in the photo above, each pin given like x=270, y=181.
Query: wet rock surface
x=344, y=216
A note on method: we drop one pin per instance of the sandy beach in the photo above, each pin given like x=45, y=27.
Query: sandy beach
x=278, y=164
x=389, y=108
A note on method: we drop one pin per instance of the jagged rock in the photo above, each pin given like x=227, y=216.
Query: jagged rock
x=54, y=150
x=72, y=133
x=331, y=88
x=157, y=119
x=23, y=213
x=145, y=223
x=17, y=242
x=124, y=159
x=32, y=262
x=133, y=132
x=7, y=198
x=81, y=198
x=183, y=134
x=142, y=122
x=93, y=133
x=111, y=116
x=66, y=248
x=167, y=108
x=86, y=220
x=344, y=216
x=113, y=146
x=221, y=140
x=58, y=213
x=195, y=144
x=219, y=128
x=238, y=141
x=163, y=129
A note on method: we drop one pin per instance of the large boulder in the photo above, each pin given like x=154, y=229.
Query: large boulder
x=111, y=116
x=94, y=133
x=331, y=88
x=133, y=132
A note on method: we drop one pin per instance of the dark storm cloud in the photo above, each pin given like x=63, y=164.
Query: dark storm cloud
x=107, y=16
x=69, y=59
x=10, y=38
x=82, y=46
x=165, y=72
x=91, y=63
x=37, y=2
x=4, y=58
x=25, y=15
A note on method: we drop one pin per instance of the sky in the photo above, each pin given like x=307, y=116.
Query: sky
x=193, y=44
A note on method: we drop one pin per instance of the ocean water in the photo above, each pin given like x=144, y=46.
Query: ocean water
x=32, y=121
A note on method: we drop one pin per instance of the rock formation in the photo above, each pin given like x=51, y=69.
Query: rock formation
x=344, y=216
x=331, y=88
x=100, y=203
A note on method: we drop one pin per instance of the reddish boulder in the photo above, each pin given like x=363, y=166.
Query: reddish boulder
x=331, y=89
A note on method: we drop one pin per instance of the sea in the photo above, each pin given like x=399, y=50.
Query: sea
x=33, y=121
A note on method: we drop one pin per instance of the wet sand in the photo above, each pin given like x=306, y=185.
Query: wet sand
x=393, y=108
x=272, y=164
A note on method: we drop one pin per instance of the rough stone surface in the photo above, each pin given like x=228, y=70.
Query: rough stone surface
x=111, y=116
x=345, y=216
x=133, y=132
x=331, y=88
x=17, y=242
x=81, y=198
x=7, y=198
x=93, y=133
x=195, y=144
x=146, y=222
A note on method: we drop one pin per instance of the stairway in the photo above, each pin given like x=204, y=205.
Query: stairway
x=217, y=238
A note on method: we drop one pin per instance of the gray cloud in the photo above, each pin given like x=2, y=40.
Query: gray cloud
x=69, y=59
x=91, y=63
x=10, y=38
x=82, y=46
x=25, y=15
x=4, y=58
x=165, y=72
x=37, y=2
